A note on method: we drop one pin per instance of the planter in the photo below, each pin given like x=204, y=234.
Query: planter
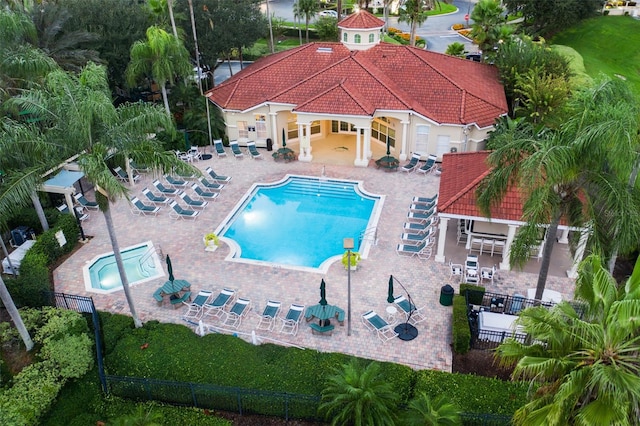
x=210, y=242
x=355, y=259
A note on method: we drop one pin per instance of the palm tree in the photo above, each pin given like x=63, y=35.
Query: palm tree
x=414, y=12
x=422, y=411
x=456, y=49
x=82, y=115
x=21, y=64
x=486, y=28
x=64, y=47
x=576, y=172
x=585, y=360
x=306, y=9
x=162, y=57
x=359, y=396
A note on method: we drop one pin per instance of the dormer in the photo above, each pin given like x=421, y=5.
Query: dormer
x=360, y=30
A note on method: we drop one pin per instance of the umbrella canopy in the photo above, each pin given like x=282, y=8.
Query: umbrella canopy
x=323, y=293
x=388, y=148
x=390, y=297
x=170, y=269
x=284, y=138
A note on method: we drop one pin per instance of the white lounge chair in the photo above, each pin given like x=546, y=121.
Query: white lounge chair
x=196, y=204
x=181, y=213
x=375, y=322
x=429, y=165
x=412, y=164
x=269, y=315
x=417, y=314
x=238, y=311
x=219, y=148
x=253, y=151
x=217, y=306
x=194, y=312
x=291, y=321
x=235, y=148
x=141, y=208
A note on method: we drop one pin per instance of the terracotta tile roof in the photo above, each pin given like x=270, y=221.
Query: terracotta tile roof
x=461, y=174
x=361, y=20
x=443, y=88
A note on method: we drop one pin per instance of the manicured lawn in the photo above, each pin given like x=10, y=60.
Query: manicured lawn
x=608, y=45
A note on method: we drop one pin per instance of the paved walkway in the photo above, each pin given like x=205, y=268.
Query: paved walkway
x=206, y=270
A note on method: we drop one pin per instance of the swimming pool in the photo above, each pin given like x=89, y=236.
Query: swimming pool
x=141, y=264
x=300, y=222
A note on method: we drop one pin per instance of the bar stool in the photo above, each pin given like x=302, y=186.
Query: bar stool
x=498, y=246
x=486, y=243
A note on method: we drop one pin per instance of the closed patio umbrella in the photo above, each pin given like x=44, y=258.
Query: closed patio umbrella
x=390, y=297
x=170, y=269
x=323, y=293
x=284, y=139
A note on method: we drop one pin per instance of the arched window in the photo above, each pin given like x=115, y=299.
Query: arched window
x=371, y=37
x=356, y=38
x=344, y=37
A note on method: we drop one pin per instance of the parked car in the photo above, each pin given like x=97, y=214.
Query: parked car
x=329, y=13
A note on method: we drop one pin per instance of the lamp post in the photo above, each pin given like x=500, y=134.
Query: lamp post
x=347, y=244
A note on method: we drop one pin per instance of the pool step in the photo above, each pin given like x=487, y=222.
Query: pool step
x=323, y=188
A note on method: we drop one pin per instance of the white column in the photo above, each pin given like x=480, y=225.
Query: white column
x=274, y=130
x=403, y=150
x=69, y=201
x=359, y=161
x=305, y=145
x=505, y=265
x=444, y=223
x=564, y=237
x=577, y=257
x=367, y=143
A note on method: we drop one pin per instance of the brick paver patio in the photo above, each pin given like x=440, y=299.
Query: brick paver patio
x=205, y=270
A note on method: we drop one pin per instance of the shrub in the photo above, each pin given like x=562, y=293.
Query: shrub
x=476, y=292
x=114, y=327
x=457, y=26
x=393, y=31
x=28, y=287
x=474, y=394
x=461, y=330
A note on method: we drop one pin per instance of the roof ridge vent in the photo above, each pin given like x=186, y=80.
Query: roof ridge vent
x=325, y=49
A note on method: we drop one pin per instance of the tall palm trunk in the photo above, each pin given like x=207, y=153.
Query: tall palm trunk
x=546, y=254
x=39, y=211
x=165, y=98
x=120, y=264
x=173, y=21
x=7, y=301
x=414, y=28
x=307, y=27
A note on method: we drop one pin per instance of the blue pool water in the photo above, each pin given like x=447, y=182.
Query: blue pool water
x=301, y=221
x=141, y=263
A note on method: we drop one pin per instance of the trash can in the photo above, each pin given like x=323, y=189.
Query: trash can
x=269, y=144
x=446, y=295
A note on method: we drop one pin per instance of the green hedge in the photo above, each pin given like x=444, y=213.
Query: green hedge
x=461, y=330
x=474, y=394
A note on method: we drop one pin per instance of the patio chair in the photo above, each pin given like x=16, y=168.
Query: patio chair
x=417, y=314
x=175, y=183
x=429, y=165
x=196, y=204
x=254, y=152
x=375, y=322
x=238, y=311
x=184, y=156
x=204, y=194
x=181, y=213
x=194, y=153
x=291, y=321
x=216, y=176
x=456, y=271
x=236, y=149
x=155, y=199
x=123, y=176
x=219, y=148
x=269, y=315
x=163, y=189
x=141, y=208
x=222, y=300
x=91, y=205
x=212, y=186
x=194, y=312
x=487, y=274
x=516, y=304
x=425, y=200
x=137, y=168
x=427, y=250
x=412, y=164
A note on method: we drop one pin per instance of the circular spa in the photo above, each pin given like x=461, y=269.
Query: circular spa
x=141, y=264
x=300, y=222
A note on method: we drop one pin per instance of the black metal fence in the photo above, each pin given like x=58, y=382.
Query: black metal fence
x=243, y=401
x=502, y=303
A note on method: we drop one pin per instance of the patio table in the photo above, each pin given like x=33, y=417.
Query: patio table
x=175, y=287
x=325, y=312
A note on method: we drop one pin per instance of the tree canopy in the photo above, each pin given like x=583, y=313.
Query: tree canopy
x=547, y=17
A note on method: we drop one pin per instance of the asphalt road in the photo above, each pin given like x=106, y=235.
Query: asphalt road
x=436, y=30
